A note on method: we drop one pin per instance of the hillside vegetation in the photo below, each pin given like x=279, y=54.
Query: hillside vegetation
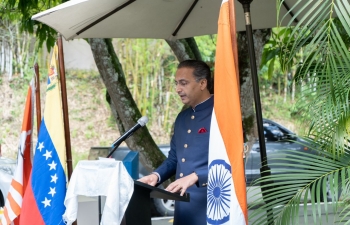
x=91, y=122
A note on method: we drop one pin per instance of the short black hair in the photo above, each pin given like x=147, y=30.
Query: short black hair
x=201, y=71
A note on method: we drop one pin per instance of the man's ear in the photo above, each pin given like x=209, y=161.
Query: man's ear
x=204, y=84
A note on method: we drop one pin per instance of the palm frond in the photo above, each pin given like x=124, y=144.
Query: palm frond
x=323, y=36
x=300, y=181
x=344, y=206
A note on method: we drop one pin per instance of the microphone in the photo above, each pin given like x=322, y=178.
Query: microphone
x=140, y=123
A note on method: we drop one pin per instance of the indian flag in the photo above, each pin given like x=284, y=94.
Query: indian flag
x=226, y=194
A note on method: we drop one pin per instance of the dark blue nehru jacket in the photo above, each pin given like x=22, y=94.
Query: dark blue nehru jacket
x=188, y=154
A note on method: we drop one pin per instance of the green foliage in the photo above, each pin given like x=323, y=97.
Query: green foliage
x=207, y=47
x=111, y=122
x=283, y=196
x=23, y=10
x=323, y=75
x=89, y=134
x=149, y=66
x=326, y=68
x=74, y=133
x=77, y=156
x=17, y=83
x=104, y=143
x=91, y=75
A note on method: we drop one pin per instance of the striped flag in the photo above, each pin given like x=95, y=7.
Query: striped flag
x=43, y=201
x=20, y=179
x=227, y=203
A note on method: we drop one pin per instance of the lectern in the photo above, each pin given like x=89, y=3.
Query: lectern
x=138, y=211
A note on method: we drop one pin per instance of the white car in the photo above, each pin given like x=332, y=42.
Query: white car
x=7, y=169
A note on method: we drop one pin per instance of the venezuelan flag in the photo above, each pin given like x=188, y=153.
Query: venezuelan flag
x=43, y=202
x=227, y=203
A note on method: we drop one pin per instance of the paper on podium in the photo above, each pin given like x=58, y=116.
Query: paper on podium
x=100, y=178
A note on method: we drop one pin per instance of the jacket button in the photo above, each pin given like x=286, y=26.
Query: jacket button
x=189, y=131
x=181, y=174
x=183, y=160
x=185, y=145
x=192, y=117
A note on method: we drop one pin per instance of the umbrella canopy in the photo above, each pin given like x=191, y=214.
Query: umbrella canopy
x=161, y=19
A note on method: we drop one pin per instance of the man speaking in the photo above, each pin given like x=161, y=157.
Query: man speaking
x=188, y=156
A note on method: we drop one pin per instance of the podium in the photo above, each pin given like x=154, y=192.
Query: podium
x=122, y=205
x=138, y=211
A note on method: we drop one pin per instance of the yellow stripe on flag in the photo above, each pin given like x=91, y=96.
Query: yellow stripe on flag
x=53, y=105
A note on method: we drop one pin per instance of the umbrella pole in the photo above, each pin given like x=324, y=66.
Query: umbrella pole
x=264, y=170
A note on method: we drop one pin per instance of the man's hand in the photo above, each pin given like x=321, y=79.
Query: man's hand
x=181, y=185
x=151, y=179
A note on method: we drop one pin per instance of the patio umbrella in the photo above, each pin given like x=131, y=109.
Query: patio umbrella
x=161, y=19
x=165, y=19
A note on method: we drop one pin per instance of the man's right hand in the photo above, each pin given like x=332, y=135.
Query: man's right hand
x=151, y=179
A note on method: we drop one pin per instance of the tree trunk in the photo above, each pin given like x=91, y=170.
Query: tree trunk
x=185, y=49
x=19, y=64
x=179, y=49
x=192, y=45
x=246, y=84
x=9, y=62
x=3, y=56
x=123, y=105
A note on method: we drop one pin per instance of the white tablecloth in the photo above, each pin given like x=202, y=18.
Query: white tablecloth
x=100, y=178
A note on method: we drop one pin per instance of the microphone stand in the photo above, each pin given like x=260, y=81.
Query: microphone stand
x=114, y=147
x=122, y=138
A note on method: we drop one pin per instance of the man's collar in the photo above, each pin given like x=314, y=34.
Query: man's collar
x=203, y=105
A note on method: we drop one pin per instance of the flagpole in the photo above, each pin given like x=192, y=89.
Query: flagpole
x=37, y=97
x=64, y=105
x=264, y=170
x=65, y=108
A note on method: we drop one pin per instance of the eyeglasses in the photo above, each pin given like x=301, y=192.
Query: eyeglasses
x=183, y=83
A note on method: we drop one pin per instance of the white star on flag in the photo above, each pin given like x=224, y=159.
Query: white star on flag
x=46, y=202
x=53, y=165
x=52, y=191
x=54, y=178
x=41, y=146
x=48, y=154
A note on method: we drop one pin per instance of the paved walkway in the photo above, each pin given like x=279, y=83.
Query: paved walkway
x=162, y=220
x=88, y=214
x=330, y=221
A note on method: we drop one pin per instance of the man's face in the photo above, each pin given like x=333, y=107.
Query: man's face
x=189, y=90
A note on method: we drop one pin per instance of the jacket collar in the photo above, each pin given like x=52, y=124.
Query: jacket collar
x=205, y=104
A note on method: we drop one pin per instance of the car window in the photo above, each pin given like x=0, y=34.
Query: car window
x=272, y=132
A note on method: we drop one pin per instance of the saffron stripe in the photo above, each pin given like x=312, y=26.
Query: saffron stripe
x=226, y=147
x=16, y=196
x=17, y=186
x=7, y=219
